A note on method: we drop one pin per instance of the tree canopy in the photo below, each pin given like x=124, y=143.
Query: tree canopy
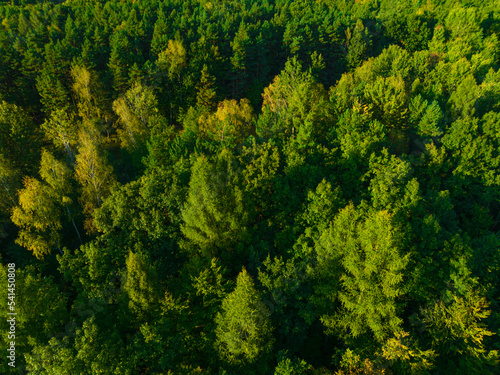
x=250, y=187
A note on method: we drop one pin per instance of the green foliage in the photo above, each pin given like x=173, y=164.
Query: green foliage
x=93, y=173
x=20, y=140
x=135, y=109
x=244, y=332
x=61, y=128
x=346, y=153
x=230, y=124
x=41, y=310
x=38, y=219
x=359, y=43
x=10, y=183
x=214, y=215
x=405, y=356
x=288, y=291
x=455, y=329
x=206, y=91
x=287, y=366
x=297, y=102
x=365, y=255
x=140, y=284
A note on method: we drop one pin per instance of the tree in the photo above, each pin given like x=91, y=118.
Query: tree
x=359, y=43
x=38, y=219
x=134, y=110
x=244, y=332
x=230, y=124
x=405, y=355
x=140, y=284
x=206, y=94
x=123, y=55
x=62, y=129
x=52, y=91
x=297, y=103
x=239, y=72
x=93, y=173
x=88, y=91
x=20, y=140
x=214, y=214
x=366, y=256
x=455, y=330
x=41, y=310
x=173, y=59
x=425, y=118
x=287, y=366
x=10, y=183
x=170, y=65
x=288, y=290
x=58, y=176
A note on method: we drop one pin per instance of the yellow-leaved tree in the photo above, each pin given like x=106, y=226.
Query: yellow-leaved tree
x=38, y=218
x=93, y=172
x=231, y=123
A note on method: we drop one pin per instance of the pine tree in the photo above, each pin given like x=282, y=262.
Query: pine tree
x=239, y=74
x=121, y=60
x=20, y=140
x=10, y=183
x=54, y=96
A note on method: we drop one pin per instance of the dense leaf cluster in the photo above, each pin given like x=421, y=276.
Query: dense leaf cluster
x=251, y=187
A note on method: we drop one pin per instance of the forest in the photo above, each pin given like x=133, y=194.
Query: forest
x=246, y=187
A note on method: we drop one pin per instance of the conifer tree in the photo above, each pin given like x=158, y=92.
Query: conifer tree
x=10, y=182
x=244, y=331
x=455, y=330
x=206, y=94
x=359, y=43
x=20, y=140
x=214, y=214
x=239, y=74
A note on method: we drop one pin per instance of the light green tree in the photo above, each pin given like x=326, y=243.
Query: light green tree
x=456, y=332
x=58, y=177
x=134, y=110
x=244, y=331
x=61, y=128
x=214, y=214
x=365, y=253
x=92, y=172
x=38, y=218
x=140, y=284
